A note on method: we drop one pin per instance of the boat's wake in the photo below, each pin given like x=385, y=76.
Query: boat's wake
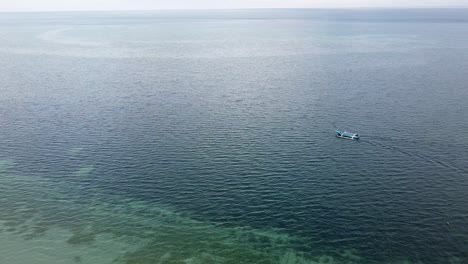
x=380, y=142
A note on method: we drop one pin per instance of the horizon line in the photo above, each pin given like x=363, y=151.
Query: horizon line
x=238, y=9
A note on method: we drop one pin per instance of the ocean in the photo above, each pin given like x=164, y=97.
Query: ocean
x=209, y=137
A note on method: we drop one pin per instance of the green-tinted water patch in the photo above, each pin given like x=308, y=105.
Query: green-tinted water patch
x=78, y=224
x=6, y=165
x=85, y=171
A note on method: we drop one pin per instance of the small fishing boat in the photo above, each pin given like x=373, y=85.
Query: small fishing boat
x=347, y=135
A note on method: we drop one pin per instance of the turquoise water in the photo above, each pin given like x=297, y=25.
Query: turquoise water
x=208, y=137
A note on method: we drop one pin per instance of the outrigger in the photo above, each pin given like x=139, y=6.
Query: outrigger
x=347, y=135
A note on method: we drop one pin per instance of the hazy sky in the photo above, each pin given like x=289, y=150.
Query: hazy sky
x=41, y=5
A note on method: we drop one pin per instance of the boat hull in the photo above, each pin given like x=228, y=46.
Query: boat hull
x=346, y=135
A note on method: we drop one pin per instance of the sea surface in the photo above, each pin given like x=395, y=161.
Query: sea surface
x=204, y=137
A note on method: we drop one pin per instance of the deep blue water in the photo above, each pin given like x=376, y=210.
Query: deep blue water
x=148, y=127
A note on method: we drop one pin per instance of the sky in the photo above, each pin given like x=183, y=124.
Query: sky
x=87, y=5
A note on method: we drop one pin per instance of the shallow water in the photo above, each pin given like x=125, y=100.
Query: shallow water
x=208, y=137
